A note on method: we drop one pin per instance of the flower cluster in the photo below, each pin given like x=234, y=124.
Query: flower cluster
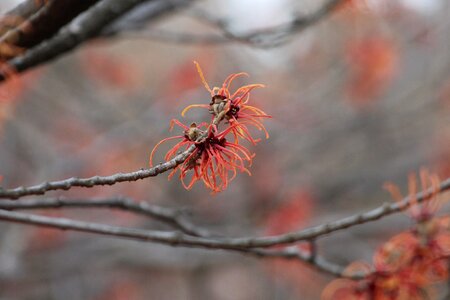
x=216, y=158
x=411, y=262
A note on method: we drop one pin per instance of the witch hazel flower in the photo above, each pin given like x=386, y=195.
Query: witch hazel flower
x=188, y=138
x=409, y=264
x=431, y=232
x=233, y=107
x=216, y=158
x=219, y=159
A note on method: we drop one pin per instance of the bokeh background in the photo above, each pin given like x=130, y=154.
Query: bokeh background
x=360, y=98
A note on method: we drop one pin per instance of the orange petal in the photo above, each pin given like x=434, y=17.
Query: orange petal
x=202, y=77
x=192, y=106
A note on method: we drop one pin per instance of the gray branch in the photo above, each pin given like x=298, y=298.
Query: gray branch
x=264, y=38
x=170, y=216
x=168, y=238
x=69, y=183
x=173, y=218
x=232, y=244
x=138, y=17
x=248, y=242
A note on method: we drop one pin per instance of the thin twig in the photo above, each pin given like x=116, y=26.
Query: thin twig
x=317, y=262
x=170, y=216
x=264, y=38
x=179, y=239
x=168, y=238
x=67, y=184
x=258, y=242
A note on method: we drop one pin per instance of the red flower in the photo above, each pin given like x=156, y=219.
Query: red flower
x=213, y=159
x=189, y=137
x=378, y=285
x=218, y=158
x=425, y=210
x=233, y=106
x=407, y=266
x=343, y=288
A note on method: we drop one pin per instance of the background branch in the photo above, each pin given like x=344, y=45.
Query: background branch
x=42, y=19
x=85, y=26
x=264, y=38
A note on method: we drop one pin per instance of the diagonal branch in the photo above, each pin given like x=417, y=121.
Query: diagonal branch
x=105, y=180
x=25, y=9
x=331, y=227
x=69, y=183
x=85, y=26
x=42, y=19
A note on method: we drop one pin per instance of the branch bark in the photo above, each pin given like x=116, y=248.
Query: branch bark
x=85, y=26
x=69, y=183
x=170, y=216
x=42, y=20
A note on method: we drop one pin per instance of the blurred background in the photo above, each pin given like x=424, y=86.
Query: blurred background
x=357, y=99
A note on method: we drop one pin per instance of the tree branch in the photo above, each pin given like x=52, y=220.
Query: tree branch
x=142, y=14
x=170, y=216
x=25, y=9
x=264, y=38
x=85, y=26
x=174, y=218
x=317, y=262
x=168, y=238
x=67, y=184
x=234, y=244
x=248, y=242
x=42, y=19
